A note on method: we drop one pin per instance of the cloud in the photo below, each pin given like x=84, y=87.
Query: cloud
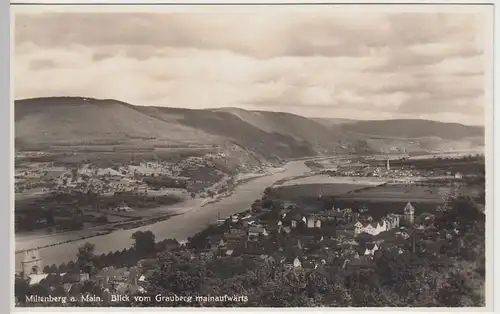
x=39, y=64
x=314, y=62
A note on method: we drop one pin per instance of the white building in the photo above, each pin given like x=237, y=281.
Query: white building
x=370, y=228
x=371, y=248
x=409, y=212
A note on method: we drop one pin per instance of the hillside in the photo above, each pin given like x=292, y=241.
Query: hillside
x=406, y=128
x=76, y=121
x=45, y=123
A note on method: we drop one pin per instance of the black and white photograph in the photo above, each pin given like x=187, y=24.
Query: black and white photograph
x=252, y=156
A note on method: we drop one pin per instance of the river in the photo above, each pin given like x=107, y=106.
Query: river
x=194, y=219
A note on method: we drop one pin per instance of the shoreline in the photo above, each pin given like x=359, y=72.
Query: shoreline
x=148, y=220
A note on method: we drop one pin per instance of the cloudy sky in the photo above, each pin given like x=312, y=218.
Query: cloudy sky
x=346, y=62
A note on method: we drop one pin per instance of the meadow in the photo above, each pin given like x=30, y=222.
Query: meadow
x=289, y=192
x=327, y=179
x=400, y=192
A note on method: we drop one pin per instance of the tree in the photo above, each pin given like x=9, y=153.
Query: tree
x=462, y=212
x=71, y=267
x=268, y=191
x=53, y=269
x=144, y=242
x=86, y=259
x=364, y=238
x=21, y=289
x=63, y=268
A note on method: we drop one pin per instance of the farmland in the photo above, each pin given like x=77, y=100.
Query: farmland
x=432, y=193
x=315, y=190
x=395, y=192
x=326, y=179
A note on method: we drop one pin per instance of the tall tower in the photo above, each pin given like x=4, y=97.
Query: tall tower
x=32, y=263
x=388, y=166
x=409, y=212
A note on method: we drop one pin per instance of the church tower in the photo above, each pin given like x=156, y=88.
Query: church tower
x=388, y=166
x=32, y=263
x=409, y=212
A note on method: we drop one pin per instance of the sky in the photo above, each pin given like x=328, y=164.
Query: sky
x=316, y=61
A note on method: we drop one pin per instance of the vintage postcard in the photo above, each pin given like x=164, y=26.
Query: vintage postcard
x=252, y=156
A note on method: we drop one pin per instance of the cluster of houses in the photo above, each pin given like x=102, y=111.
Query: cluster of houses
x=304, y=241
x=281, y=237
x=109, y=280
x=128, y=178
x=390, y=221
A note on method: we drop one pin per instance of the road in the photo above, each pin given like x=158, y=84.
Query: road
x=193, y=218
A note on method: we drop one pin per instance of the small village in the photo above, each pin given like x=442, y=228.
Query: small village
x=123, y=178
x=401, y=173
x=129, y=189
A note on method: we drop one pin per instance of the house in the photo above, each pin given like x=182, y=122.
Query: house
x=403, y=234
x=370, y=228
x=221, y=243
x=146, y=276
x=358, y=227
x=309, y=265
x=106, y=276
x=392, y=221
x=362, y=262
x=206, y=255
x=285, y=230
x=168, y=245
x=458, y=175
x=236, y=231
x=36, y=278
x=233, y=240
x=253, y=248
x=292, y=262
x=84, y=277
x=70, y=278
x=295, y=220
x=147, y=263
x=371, y=248
x=256, y=231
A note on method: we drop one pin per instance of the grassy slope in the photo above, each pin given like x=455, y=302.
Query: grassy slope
x=78, y=121
x=65, y=120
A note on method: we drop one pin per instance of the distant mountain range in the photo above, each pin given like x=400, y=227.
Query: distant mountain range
x=42, y=123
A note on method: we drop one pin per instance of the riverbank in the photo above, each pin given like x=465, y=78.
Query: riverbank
x=242, y=180
x=190, y=219
x=90, y=233
x=44, y=241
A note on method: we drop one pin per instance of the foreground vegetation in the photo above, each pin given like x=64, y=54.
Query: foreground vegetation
x=452, y=276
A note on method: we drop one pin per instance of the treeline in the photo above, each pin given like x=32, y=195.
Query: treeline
x=159, y=182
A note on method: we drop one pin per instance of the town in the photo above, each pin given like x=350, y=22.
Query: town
x=288, y=236
x=54, y=197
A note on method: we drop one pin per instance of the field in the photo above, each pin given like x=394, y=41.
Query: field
x=400, y=192
x=106, y=156
x=326, y=179
x=28, y=242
